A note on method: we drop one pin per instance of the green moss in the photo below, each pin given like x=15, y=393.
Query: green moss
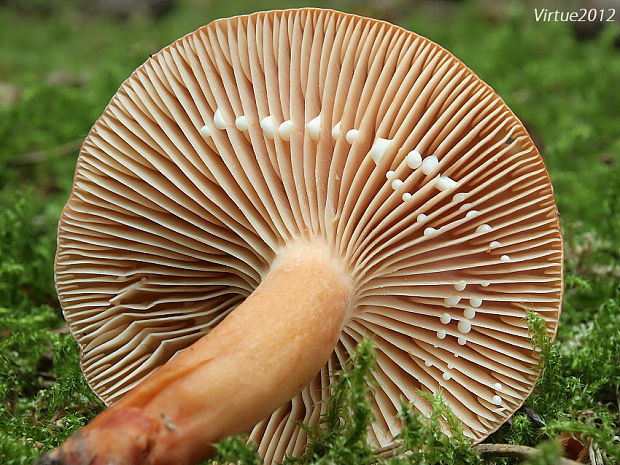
x=551, y=451
x=237, y=450
x=564, y=90
x=578, y=385
x=340, y=438
x=424, y=441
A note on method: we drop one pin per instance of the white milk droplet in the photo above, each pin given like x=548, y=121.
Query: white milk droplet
x=218, y=120
x=352, y=135
x=242, y=123
x=459, y=197
x=469, y=313
x=286, y=130
x=336, y=130
x=429, y=164
x=397, y=184
x=414, y=159
x=445, y=183
x=205, y=131
x=314, y=127
x=378, y=149
x=268, y=125
x=464, y=326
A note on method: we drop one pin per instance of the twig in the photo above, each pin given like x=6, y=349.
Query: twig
x=485, y=450
x=388, y=451
x=512, y=450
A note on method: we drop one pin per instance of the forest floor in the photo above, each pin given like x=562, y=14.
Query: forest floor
x=58, y=69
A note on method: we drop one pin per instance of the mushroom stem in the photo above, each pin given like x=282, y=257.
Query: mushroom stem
x=254, y=361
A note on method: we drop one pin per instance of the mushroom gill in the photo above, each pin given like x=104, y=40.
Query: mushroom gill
x=256, y=133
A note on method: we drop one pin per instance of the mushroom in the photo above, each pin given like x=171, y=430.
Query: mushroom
x=269, y=190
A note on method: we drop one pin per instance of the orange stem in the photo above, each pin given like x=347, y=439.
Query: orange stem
x=254, y=361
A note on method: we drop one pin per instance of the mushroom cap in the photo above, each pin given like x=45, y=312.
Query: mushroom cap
x=259, y=130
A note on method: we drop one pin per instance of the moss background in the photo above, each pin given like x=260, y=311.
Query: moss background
x=60, y=62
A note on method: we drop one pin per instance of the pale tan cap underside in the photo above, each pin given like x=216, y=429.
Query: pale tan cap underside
x=437, y=201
